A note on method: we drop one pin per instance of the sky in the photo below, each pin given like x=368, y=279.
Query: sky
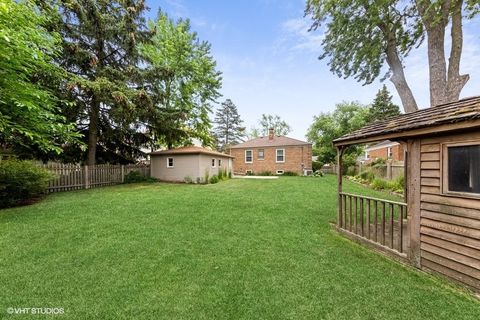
x=269, y=60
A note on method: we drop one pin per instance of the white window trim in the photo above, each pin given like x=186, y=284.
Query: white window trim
x=276, y=156
x=212, y=162
x=251, y=156
x=258, y=154
x=168, y=162
x=280, y=171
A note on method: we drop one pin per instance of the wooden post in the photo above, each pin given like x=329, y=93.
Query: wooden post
x=339, y=185
x=122, y=173
x=389, y=169
x=413, y=201
x=86, y=177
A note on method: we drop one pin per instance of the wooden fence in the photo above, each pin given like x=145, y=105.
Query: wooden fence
x=73, y=177
x=381, y=221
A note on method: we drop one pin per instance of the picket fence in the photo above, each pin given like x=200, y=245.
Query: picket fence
x=74, y=177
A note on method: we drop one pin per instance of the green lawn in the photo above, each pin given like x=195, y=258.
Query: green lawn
x=240, y=249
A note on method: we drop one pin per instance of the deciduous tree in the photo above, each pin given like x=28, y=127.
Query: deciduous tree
x=182, y=81
x=279, y=126
x=29, y=113
x=361, y=36
x=326, y=127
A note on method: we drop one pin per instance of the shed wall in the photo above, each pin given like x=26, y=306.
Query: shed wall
x=449, y=224
x=184, y=165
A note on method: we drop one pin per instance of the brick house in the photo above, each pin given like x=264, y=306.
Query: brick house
x=387, y=150
x=275, y=154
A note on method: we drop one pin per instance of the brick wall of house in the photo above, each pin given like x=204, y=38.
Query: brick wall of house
x=295, y=156
x=397, y=150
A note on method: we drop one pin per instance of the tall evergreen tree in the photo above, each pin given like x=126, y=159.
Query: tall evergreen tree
x=382, y=107
x=100, y=41
x=228, y=128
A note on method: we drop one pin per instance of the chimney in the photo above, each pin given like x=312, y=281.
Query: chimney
x=270, y=134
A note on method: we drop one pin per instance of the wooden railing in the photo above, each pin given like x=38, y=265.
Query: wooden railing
x=378, y=220
x=73, y=177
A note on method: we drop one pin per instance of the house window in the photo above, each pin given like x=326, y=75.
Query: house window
x=280, y=171
x=219, y=162
x=213, y=163
x=280, y=155
x=248, y=156
x=261, y=154
x=463, y=168
x=389, y=153
x=170, y=163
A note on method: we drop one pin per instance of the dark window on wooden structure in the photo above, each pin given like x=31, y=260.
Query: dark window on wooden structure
x=464, y=169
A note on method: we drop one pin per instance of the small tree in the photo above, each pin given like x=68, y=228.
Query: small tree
x=279, y=126
x=347, y=117
x=382, y=107
x=228, y=125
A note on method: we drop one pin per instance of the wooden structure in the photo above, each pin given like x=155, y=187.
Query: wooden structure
x=438, y=228
x=74, y=177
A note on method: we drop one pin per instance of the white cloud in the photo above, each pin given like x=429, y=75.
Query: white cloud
x=297, y=37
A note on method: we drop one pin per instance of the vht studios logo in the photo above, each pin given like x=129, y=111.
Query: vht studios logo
x=23, y=310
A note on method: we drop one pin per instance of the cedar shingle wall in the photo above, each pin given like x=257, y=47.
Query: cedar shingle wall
x=450, y=225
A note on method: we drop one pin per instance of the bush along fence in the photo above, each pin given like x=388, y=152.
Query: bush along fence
x=389, y=171
x=74, y=177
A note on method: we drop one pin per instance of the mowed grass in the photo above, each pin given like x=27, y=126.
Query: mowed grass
x=240, y=249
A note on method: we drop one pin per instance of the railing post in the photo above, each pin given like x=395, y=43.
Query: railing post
x=339, y=185
x=86, y=177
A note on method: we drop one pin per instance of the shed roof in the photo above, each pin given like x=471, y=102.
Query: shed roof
x=191, y=150
x=277, y=141
x=466, y=111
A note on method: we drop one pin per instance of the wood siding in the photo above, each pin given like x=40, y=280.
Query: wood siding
x=449, y=224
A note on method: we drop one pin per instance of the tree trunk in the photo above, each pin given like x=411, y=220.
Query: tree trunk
x=398, y=77
x=455, y=81
x=436, y=64
x=93, y=132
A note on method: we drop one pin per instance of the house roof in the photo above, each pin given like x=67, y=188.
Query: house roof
x=464, y=113
x=277, y=141
x=190, y=150
x=381, y=145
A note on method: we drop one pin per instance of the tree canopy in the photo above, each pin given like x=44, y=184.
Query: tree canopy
x=268, y=121
x=326, y=127
x=362, y=36
x=228, y=127
x=382, y=106
x=181, y=78
x=29, y=113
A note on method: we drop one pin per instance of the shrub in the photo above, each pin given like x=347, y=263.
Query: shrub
x=367, y=176
x=137, y=176
x=249, y=173
x=290, y=174
x=214, y=179
x=379, y=184
x=188, y=179
x=206, y=176
x=318, y=173
x=265, y=173
x=21, y=181
x=230, y=175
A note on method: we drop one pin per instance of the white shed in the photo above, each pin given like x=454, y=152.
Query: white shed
x=188, y=164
